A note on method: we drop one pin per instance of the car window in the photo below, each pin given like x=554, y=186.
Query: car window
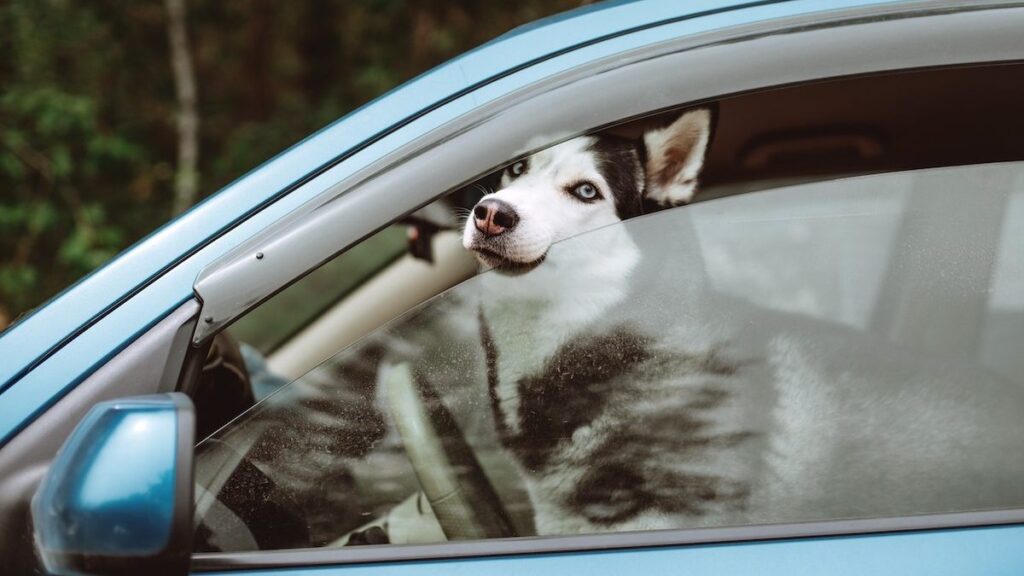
x=834, y=350
x=268, y=326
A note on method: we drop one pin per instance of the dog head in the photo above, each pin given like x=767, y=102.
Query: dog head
x=584, y=184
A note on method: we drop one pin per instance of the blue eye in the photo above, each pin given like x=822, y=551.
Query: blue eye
x=585, y=191
x=517, y=169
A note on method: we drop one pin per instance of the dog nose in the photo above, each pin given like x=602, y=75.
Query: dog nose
x=492, y=217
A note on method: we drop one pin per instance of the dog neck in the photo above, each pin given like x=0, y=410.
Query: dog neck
x=527, y=318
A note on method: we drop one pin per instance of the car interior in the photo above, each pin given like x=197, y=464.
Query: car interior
x=766, y=139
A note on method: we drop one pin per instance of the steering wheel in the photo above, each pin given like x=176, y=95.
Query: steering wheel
x=463, y=499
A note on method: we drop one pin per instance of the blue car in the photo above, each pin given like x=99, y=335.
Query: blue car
x=295, y=376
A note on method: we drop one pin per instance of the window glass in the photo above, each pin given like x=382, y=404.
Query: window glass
x=849, y=264
x=828, y=351
x=1005, y=323
x=281, y=316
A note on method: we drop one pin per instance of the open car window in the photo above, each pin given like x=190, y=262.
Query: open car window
x=836, y=350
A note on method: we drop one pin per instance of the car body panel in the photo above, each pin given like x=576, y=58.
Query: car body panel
x=54, y=349
x=989, y=550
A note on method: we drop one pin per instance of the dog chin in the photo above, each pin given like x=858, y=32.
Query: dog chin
x=504, y=264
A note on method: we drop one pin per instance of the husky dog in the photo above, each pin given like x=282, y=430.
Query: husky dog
x=682, y=408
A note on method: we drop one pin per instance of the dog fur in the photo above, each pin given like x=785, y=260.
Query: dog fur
x=631, y=403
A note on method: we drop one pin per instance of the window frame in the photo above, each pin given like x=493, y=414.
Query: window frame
x=281, y=338
x=760, y=56
x=597, y=542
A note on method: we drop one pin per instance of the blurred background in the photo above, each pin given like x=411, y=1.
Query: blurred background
x=115, y=116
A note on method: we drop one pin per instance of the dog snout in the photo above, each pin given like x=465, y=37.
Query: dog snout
x=492, y=217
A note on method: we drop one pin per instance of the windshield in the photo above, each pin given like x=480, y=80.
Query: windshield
x=844, y=349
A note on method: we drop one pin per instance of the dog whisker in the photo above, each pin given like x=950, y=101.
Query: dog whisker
x=483, y=190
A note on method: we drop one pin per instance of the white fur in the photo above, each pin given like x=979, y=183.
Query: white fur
x=533, y=307
x=928, y=435
x=547, y=212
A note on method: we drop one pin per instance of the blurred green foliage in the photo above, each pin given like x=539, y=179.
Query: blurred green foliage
x=87, y=106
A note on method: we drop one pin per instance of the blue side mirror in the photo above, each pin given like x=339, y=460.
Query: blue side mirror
x=118, y=497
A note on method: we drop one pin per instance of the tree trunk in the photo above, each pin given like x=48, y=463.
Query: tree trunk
x=186, y=179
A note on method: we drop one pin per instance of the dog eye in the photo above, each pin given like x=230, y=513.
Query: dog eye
x=585, y=191
x=517, y=169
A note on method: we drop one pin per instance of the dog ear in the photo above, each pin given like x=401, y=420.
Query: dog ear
x=675, y=156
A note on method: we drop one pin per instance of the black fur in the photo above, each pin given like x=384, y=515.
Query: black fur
x=570, y=391
x=589, y=378
x=619, y=164
x=624, y=477
x=491, y=361
x=611, y=493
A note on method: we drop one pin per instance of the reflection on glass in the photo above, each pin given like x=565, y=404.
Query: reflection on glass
x=812, y=353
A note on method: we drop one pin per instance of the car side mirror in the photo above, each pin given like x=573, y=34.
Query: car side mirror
x=118, y=497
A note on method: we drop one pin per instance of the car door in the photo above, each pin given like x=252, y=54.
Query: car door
x=346, y=204
x=726, y=312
